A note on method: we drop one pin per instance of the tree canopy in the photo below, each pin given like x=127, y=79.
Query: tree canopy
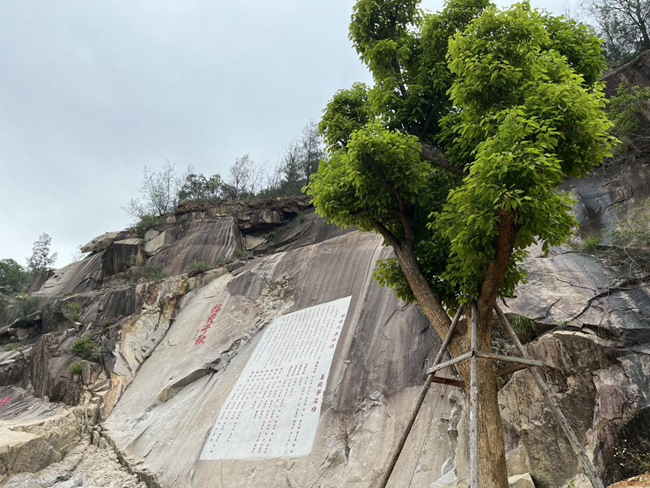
x=41, y=259
x=454, y=154
x=475, y=116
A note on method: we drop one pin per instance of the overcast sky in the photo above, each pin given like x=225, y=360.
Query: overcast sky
x=92, y=91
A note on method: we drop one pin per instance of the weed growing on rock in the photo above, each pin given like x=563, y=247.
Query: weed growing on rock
x=637, y=458
x=199, y=267
x=224, y=261
x=146, y=223
x=241, y=254
x=71, y=310
x=27, y=304
x=525, y=328
x=270, y=235
x=13, y=347
x=75, y=368
x=148, y=272
x=87, y=348
x=589, y=243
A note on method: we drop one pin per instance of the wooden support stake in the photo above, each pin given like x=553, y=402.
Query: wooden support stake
x=510, y=359
x=473, y=403
x=451, y=362
x=590, y=471
x=423, y=394
x=447, y=381
x=510, y=369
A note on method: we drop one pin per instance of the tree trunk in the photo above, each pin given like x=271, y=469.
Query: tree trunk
x=491, y=454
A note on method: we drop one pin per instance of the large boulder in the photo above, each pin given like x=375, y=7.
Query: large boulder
x=122, y=255
x=102, y=242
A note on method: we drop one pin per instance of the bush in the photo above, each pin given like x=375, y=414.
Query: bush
x=198, y=267
x=525, y=328
x=87, y=348
x=224, y=261
x=270, y=235
x=241, y=254
x=71, y=310
x=589, y=243
x=14, y=346
x=148, y=272
x=75, y=368
x=27, y=304
x=147, y=222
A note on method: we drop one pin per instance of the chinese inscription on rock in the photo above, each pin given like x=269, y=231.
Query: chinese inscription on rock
x=274, y=407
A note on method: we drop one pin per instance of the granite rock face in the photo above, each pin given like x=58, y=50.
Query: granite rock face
x=153, y=394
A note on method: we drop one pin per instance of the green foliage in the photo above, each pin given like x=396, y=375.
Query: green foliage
x=510, y=99
x=630, y=112
x=589, y=243
x=199, y=267
x=146, y=273
x=71, y=310
x=87, y=348
x=75, y=368
x=635, y=230
x=14, y=347
x=13, y=277
x=223, y=261
x=146, y=223
x=524, y=327
x=27, y=304
x=241, y=254
x=345, y=113
x=270, y=235
x=3, y=309
x=41, y=259
x=198, y=187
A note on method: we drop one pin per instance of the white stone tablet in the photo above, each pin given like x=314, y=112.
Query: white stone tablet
x=274, y=408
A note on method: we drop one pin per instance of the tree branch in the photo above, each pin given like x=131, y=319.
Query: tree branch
x=386, y=234
x=436, y=157
x=497, y=268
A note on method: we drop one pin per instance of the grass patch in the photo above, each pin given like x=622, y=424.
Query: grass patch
x=148, y=272
x=75, y=368
x=147, y=222
x=589, y=243
x=241, y=254
x=71, y=310
x=87, y=348
x=199, y=267
x=525, y=328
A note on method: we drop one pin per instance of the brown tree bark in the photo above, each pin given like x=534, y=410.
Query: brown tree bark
x=491, y=455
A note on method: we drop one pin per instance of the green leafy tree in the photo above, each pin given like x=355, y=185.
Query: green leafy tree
x=13, y=277
x=41, y=259
x=198, y=187
x=454, y=155
x=159, y=192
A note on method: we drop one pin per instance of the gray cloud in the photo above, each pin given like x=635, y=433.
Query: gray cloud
x=91, y=91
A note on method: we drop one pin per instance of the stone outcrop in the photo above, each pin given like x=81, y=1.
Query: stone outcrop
x=635, y=72
x=157, y=394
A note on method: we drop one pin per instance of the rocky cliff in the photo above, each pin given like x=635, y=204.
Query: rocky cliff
x=108, y=384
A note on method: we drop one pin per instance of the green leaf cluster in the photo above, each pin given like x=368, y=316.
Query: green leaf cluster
x=508, y=97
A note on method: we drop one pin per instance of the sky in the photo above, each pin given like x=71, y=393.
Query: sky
x=92, y=91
